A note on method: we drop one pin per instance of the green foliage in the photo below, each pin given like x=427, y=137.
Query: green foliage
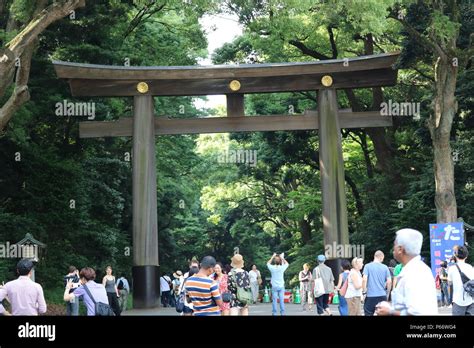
x=21, y=10
x=443, y=28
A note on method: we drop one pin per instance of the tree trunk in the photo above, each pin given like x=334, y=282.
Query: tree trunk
x=365, y=150
x=3, y=4
x=22, y=46
x=439, y=124
x=383, y=152
x=380, y=138
x=305, y=229
x=356, y=194
x=382, y=148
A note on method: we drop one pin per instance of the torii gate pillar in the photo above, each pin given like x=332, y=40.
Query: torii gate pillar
x=145, y=271
x=331, y=165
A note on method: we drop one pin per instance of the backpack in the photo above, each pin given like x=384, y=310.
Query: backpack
x=468, y=284
x=101, y=309
x=244, y=295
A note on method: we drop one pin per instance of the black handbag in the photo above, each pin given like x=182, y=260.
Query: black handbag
x=180, y=302
x=227, y=297
x=101, y=309
x=181, y=298
x=468, y=284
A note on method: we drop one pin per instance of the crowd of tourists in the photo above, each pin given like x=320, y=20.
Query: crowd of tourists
x=81, y=286
x=405, y=287
x=209, y=288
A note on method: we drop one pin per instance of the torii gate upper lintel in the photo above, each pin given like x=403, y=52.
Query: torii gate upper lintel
x=143, y=83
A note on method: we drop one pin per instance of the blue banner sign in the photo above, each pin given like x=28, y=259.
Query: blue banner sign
x=443, y=237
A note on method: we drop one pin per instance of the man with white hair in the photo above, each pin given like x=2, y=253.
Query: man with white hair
x=415, y=293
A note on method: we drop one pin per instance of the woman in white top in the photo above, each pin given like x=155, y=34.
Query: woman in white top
x=255, y=281
x=354, y=288
x=305, y=278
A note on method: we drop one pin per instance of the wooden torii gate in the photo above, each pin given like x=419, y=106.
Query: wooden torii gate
x=143, y=83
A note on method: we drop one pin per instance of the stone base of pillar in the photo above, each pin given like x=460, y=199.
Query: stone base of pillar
x=146, y=286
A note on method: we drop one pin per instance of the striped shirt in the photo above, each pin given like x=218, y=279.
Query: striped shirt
x=203, y=292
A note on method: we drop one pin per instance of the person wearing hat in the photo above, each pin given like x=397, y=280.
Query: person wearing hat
x=324, y=272
x=178, y=279
x=26, y=296
x=277, y=266
x=238, y=278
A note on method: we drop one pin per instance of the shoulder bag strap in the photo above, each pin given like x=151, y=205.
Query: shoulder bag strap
x=234, y=275
x=464, y=277
x=89, y=293
x=181, y=286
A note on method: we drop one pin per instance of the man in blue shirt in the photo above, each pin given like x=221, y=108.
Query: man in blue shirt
x=376, y=281
x=277, y=266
